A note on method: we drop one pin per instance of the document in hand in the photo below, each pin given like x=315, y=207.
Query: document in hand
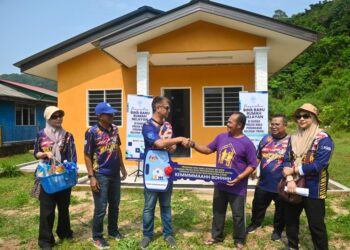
x=300, y=191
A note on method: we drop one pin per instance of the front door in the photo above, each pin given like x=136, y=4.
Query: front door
x=180, y=116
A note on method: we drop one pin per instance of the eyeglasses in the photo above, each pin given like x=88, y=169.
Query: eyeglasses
x=55, y=117
x=166, y=107
x=275, y=124
x=305, y=116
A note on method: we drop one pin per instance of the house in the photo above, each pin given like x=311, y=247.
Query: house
x=200, y=55
x=21, y=108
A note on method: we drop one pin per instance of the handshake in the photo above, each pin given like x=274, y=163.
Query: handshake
x=187, y=142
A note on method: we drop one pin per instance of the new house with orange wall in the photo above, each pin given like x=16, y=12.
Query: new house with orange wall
x=200, y=55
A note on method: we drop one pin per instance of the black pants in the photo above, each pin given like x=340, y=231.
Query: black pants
x=237, y=204
x=48, y=204
x=315, y=213
x=261, y=201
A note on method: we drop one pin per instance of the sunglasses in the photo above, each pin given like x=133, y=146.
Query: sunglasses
x=305, y=116
x=55, y=117
x=166, y=107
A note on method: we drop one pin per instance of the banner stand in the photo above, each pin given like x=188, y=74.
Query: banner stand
x=138, y=172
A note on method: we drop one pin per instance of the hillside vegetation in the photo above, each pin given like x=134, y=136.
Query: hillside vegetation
x=320, y=75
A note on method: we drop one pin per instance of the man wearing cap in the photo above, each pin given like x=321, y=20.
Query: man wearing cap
x=104, y=162
x=312, y=149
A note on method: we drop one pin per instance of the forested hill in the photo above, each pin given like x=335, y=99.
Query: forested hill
x=321, y=75
x=31, y=80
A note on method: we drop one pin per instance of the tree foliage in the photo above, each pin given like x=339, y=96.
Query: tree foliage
x=320, y=75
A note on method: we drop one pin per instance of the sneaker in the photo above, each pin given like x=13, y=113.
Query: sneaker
x=275, y=236
x=171, y=241
x=145, y=242
x=101, y=243
x=116, y=236
x=252, y=228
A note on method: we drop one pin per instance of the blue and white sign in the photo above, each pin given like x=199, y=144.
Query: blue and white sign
x=255, y=106
x=139, y=110
x=155, y=177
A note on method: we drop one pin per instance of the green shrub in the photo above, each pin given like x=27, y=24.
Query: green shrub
x=9, y=170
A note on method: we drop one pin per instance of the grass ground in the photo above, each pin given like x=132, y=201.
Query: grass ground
x=19, y=215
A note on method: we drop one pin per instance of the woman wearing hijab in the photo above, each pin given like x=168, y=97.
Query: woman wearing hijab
x=53, y=142
x=312, y=149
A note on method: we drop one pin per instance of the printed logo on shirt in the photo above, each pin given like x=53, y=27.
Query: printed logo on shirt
x=226, y=155
x=326, y=148
x=166, y=131
x=151, y=135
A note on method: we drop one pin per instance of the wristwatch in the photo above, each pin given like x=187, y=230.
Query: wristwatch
x=90, y=176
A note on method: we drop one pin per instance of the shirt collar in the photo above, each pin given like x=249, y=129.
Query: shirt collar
x=105, y=130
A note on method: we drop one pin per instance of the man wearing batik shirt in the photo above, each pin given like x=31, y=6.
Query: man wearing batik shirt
x=233, y=150
x=274, y=155
x=104, y=163
x=158, y=134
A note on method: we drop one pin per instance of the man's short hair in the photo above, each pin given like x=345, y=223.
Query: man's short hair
x=241, y=118
x=283, y=116
x=158, y=100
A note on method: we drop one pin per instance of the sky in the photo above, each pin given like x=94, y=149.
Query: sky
x=30, y=26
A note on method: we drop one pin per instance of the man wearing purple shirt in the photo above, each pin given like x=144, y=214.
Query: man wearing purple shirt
x=233, y=150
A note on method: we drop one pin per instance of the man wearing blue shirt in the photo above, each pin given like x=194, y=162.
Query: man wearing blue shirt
x=274, y=154
x=104, y=162
x=158, y=134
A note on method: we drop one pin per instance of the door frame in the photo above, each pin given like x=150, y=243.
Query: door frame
x=184, y=87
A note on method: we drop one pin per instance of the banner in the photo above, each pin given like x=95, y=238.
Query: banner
x=139, y=110
x=159, y=171
x=255, y=106
x=191, y=172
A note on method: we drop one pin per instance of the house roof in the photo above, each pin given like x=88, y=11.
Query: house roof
x=14, y=90
x=120, y=37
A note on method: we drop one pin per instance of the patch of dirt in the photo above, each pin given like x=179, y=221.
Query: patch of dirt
x=338, y=244
x=28, y=211
x=336, y=207
x=204, y=194
x=9, y=244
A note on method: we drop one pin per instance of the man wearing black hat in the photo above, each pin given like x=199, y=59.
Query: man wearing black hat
x=104, y=163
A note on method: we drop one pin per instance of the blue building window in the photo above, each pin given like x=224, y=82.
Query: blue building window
x=25, y=115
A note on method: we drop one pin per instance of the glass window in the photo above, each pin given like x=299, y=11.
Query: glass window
x=113, y=97
x=219, y=103
x=25, y=115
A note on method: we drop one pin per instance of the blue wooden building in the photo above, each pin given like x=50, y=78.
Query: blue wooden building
x=21, y=112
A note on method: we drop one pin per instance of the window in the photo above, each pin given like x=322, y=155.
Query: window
x=219, y=103
x=113, y=97
x=25, y=115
